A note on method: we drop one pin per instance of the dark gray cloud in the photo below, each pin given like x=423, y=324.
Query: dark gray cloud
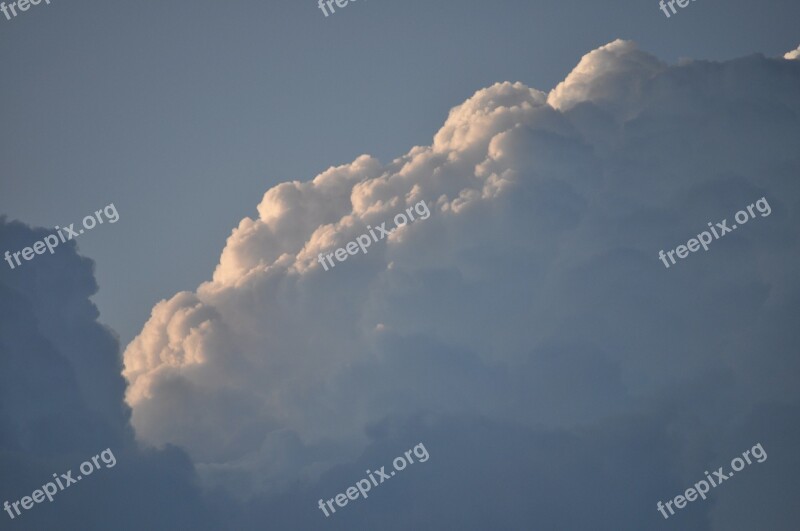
x=61, y=402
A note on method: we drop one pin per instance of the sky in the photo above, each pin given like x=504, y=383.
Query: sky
x=523, y=330
x=184, y=115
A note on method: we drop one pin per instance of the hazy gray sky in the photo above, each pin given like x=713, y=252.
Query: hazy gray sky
x=184, y=114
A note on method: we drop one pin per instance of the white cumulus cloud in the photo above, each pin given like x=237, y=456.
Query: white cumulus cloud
x=533, y=294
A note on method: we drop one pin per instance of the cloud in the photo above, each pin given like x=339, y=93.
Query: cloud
x=794, y=54
x=61, y=402
x=531, y=302
x=603, y=74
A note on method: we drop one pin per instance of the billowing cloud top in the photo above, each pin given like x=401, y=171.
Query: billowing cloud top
x=531, y=297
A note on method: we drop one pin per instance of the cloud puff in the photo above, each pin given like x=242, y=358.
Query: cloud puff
x=532, y=299
x=794, y=54
x=603, y=74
